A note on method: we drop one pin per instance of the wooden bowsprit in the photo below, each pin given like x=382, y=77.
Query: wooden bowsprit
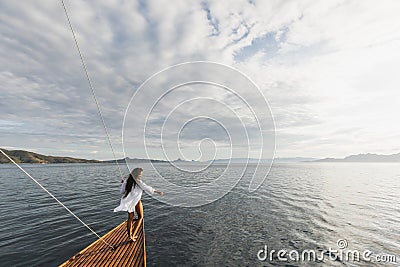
x=125, y=253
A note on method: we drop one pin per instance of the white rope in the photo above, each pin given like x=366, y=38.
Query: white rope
x=104, y=125
x=59, y=202
x=92, y=89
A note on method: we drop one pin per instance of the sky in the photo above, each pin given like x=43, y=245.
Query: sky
x=328, y=71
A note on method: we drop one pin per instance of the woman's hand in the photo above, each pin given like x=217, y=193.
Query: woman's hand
x=159, y=192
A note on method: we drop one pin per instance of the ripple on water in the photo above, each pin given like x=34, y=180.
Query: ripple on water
x=300, y=206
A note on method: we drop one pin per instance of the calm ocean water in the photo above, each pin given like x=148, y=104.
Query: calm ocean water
x=304, y=206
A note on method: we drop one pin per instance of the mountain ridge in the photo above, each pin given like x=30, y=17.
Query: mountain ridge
x=22, y=156
x=367, y=157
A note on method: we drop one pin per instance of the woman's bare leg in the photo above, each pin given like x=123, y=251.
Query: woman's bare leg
x=139, y=210
x=129, y=224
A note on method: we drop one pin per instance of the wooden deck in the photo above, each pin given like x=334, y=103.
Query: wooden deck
x=125, y=253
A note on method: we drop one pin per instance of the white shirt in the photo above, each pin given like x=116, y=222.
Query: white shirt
x=129, y=202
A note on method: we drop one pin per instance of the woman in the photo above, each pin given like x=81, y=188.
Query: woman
x=132, y=189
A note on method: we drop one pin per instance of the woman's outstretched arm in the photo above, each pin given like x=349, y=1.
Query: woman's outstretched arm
x=158, y=192
x=148, y=188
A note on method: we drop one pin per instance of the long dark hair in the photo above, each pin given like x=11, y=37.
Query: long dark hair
x=131, y=182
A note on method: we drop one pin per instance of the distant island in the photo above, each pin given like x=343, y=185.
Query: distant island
x=364, y=158
x=134, y=160
x=22, y=156
x=255, y=160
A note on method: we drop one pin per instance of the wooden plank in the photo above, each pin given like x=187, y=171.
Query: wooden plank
x=136, y=246
x=131, y=252
x=126, y=253
x=97, y=258
x=100, y=260
x=119, y=253
x=98, y=249
x=77, y=257
x=120, y=250
x=134, y=260
x=122, y=257
x=143, y=260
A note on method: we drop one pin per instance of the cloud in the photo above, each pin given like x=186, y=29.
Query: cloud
x=325, y=67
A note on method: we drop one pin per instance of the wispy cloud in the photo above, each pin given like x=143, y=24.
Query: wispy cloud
x=328, y=68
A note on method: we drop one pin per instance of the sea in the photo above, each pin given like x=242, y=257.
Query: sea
x=303, y=214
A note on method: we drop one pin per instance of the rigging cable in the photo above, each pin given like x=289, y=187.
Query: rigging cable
x=59, y=202
x=104, y=125
x=91, y=88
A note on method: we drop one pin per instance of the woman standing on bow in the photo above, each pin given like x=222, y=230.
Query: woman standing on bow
x=132, y=189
